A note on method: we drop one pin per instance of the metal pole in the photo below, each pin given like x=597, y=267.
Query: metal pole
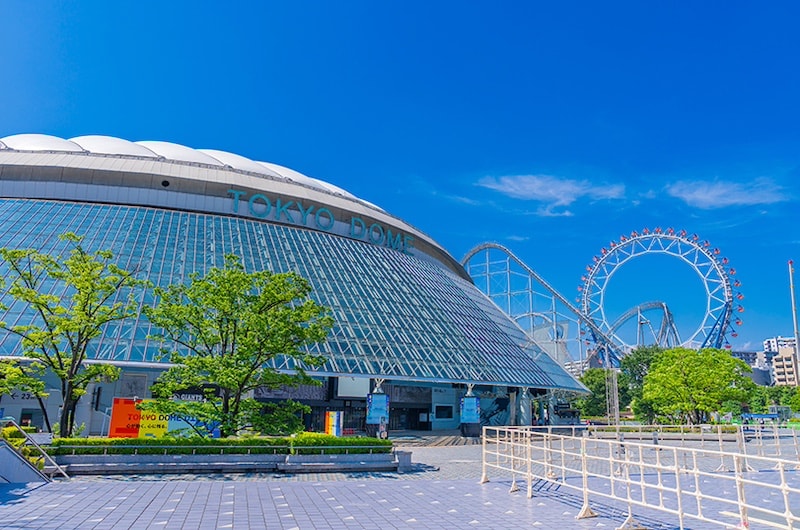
x=794, y=317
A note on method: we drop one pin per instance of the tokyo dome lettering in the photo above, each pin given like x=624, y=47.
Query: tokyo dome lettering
x=262, y=207
x=378, y=235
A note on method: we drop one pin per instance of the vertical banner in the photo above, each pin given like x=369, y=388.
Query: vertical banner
x=470, y=409
x=125, y=419
x=377, y=409
x=333, y=422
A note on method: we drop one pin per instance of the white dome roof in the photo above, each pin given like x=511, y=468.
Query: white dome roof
x=291, y=174
x=109, y=145
x=180, y=153
x=171, y=152
x=40, y=142
x=238, y=162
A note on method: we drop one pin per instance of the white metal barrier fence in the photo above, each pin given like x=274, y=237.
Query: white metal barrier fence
x=712, y=475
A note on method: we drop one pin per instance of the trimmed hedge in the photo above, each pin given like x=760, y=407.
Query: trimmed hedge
x=9, y=433
x=16, y=439
x=686, y=429
x=304, y=443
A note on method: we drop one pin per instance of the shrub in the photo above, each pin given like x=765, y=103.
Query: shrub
x=305, y=443
x=16, y=439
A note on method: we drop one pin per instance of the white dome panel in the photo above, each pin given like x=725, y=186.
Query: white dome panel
x=237, y=161
x=40, y=142
x=180, y=153
x=375, y=206
x=298, y=177
x=290, y=174
x=333, y=189
x=109, y=145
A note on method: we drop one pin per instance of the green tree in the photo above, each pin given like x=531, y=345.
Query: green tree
x=594, y=404
x=225, y=328
x=635, y=367
x=688, y=385
x=762, y=397
x=91, y=294
x=25, y=377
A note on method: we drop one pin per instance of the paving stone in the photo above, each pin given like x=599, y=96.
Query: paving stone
x=440, y=491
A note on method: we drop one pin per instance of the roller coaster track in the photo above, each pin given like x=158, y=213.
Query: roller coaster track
x=607, y=350
x=667, y=335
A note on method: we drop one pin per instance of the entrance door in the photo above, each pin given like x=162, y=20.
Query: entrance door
x=409, y=418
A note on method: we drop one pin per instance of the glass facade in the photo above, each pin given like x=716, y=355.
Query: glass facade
x=396, y=316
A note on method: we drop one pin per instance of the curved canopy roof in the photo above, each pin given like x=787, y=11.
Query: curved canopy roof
x=109, y=145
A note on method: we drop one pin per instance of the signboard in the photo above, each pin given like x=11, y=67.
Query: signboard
x=470, y=409
x=129, y=422
x=41, y=438
x=377, y=409
x=197, y=393
x=124, y=419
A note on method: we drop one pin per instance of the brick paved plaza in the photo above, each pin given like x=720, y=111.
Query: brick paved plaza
x=442, y=491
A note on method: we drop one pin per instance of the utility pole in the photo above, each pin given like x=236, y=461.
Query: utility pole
x=612, y=390
x=794, y=314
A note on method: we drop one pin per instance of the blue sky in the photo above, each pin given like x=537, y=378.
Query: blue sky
x=551, y=128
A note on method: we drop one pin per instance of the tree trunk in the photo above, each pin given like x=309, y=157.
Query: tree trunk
x=226, y=427
x=44, y=414
x=67, y=420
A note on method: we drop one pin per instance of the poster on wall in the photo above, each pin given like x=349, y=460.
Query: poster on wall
x=470, y=409
x=377, y=409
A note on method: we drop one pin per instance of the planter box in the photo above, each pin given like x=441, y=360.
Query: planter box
x=157, y=464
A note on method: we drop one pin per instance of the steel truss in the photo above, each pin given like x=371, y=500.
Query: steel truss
x=548, y=318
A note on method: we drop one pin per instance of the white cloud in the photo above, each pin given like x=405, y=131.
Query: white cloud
x=464, y=200
x=552, y=191
x=719, y=194
x=549, y=211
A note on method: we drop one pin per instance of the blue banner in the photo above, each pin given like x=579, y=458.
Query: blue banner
x=470, y=409
x=377, y=409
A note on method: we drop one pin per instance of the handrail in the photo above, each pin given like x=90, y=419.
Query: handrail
x=685, y=480
x=31, y=441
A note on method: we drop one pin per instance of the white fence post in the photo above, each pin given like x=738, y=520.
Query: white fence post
x=484, y=476
x=739, y=467
x=514, y=487
x=529, y=456
x=586, y=511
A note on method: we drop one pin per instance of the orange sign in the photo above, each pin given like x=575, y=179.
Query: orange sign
x=129, y=422
x=125, y=419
